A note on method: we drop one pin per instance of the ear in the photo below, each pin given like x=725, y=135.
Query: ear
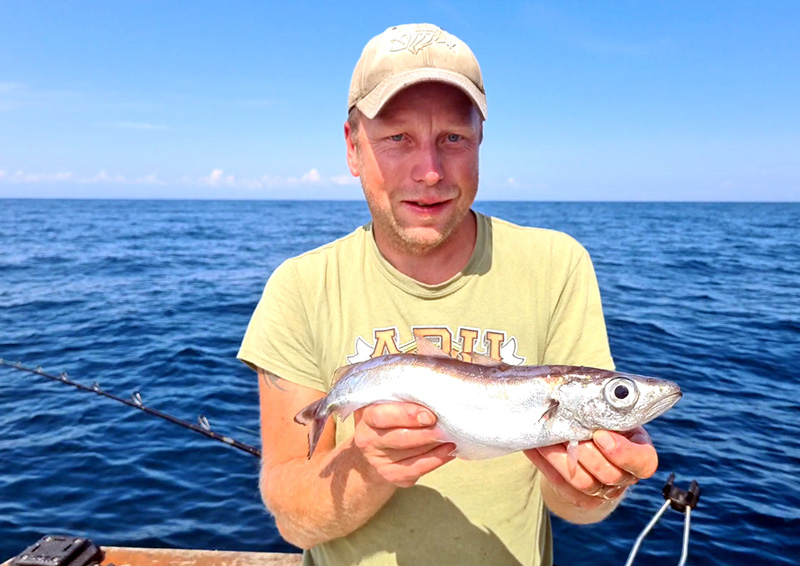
x=352, y=151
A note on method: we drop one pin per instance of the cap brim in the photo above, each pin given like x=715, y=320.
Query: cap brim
x=371, y=104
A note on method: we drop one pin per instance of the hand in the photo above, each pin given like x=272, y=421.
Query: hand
x=607, y=465
x=400, y=441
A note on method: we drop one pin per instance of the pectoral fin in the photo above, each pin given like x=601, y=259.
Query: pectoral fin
x=550, y=411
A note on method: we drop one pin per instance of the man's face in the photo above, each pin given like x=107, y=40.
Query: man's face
x=418, y=163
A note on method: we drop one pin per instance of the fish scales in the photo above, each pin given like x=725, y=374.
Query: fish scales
x=490, y=409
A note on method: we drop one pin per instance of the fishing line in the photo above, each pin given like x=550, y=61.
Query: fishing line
x=203, y=427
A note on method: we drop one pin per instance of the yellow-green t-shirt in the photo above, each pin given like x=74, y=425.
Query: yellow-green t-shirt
x=526, y=296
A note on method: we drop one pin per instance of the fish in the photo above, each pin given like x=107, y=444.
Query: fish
x=489, y=408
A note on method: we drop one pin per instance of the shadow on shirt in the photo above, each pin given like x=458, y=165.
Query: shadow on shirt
x=419, y=527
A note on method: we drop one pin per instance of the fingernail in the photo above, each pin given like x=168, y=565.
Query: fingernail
x=604, y=440
x=425, y=418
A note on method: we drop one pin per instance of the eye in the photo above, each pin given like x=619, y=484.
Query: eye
x=621, y=393
x=396, y=137
x=453, y=138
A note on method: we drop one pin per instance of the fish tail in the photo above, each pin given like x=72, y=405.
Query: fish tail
x=314, y=415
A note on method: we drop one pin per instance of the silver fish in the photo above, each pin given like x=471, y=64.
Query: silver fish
x=490, y=408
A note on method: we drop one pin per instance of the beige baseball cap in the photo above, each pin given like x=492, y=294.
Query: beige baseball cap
x=409, y=54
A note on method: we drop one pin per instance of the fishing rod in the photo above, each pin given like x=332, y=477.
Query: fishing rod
x=203, y=427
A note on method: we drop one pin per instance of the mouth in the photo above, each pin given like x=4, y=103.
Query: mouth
x=662, y=406
x=427, y=204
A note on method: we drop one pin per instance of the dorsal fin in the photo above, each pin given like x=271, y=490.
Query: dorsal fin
x=338, y=373
x=427, y=348
x=483, y=360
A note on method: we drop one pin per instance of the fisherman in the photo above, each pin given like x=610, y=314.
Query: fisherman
x=380, y=489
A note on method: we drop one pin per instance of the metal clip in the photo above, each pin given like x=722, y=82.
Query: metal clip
x=136, y=397
x=203, y=421
x=680, y=500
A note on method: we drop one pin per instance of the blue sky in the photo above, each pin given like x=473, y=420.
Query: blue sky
x=587, y=100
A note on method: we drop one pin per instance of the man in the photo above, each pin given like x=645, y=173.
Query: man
x=379, y=488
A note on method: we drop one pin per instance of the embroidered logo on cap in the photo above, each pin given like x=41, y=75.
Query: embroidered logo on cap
x=420, y=39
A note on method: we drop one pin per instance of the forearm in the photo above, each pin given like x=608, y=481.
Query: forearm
x=571, y=511
x=324, y=498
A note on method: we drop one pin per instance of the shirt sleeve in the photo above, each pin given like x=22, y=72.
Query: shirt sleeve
x=279, y=337
x=577, y=330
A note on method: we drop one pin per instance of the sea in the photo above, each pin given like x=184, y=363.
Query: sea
x=154, y=296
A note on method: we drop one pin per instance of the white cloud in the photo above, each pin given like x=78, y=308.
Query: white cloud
x=103, y=177
x=344, y=180
x=217, y=178
x=22, y=177
x=251, y=183
x=310, y=177
x=511, y=182
x=151, y=179
x=271, y=181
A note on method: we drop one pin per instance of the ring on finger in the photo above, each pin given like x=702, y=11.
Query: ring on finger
x=606, y=492
x=613, y=492
x=597, y=492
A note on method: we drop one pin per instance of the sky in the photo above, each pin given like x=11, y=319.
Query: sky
x=588, y=101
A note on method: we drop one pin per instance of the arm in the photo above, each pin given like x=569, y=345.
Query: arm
x=607, y=465
x=340, y=487
x=577, y=336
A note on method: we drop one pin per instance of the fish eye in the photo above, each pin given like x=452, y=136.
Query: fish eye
x=621, y=393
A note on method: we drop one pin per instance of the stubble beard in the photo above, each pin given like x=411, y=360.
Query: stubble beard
x=409, y=240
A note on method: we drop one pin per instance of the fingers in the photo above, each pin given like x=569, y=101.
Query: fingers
x=395, y=415
x=405, y=473
x=400, y=441
x=607, y=465
x=631, y=451
x=590, y=499
x=595, y=463
x=592, y=474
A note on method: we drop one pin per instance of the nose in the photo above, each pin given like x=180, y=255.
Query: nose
x=428, y=165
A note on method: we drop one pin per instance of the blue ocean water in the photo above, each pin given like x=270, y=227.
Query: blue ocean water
x=154, y=296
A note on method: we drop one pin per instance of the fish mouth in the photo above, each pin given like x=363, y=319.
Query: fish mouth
x=662, y=406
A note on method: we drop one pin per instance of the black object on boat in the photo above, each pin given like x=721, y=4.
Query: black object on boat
x=679, y=499
x=60, y=550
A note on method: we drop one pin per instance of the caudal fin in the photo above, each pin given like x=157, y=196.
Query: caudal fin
x=314, y=415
